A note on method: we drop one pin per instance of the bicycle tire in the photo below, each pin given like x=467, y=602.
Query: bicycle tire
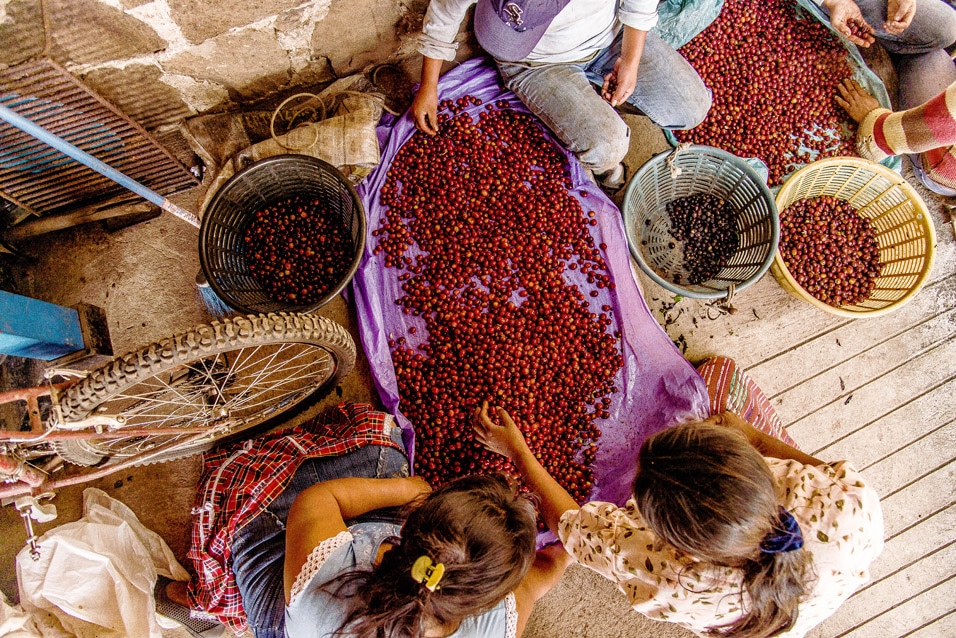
x=207, y=376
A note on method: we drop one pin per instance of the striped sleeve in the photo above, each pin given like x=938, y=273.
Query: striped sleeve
x=926, y=127
x=928, y=130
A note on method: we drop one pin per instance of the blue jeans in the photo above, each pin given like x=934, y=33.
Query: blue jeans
x=923, y=67
x=563, y=96
x=258, y=549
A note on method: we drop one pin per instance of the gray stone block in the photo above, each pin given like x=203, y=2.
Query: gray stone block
x=90, y=32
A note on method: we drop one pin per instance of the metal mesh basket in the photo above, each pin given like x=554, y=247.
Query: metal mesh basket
x=899, y=219
x=233, y=207
x=699, y=170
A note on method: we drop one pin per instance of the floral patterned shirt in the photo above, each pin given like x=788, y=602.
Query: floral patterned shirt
x=842, y=527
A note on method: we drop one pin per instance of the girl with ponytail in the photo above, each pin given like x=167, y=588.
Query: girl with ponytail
x=319, y=531
x=463, y=564
x=731, y=530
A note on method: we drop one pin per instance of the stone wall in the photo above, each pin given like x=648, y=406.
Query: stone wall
x=162, y=60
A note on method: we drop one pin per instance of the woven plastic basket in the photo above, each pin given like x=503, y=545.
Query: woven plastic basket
x=233, y=207
x=699, y=170
x=899, y=218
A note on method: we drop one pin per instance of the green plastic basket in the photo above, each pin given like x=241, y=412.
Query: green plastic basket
x=699, y=170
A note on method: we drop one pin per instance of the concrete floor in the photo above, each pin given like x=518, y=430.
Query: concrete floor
x=143, y=277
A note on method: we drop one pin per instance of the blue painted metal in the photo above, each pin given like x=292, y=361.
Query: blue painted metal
x=37, y=329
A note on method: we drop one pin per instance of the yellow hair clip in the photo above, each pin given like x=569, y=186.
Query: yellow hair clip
x=427, y=573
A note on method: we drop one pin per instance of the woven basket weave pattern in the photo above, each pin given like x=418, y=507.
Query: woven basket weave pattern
x=252, y=189
x=703, y=170
x=897, y=214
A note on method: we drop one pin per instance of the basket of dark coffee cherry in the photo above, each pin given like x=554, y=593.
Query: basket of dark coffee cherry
x=856, y=239
x=284, y=234
x=700, y=222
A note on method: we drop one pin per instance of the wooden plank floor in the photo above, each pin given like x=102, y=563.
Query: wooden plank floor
x=880, y=392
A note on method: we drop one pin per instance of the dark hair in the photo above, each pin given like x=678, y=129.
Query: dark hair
x=705, y=490
x=484, y=533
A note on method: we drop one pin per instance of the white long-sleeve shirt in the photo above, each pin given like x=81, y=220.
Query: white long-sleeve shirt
x=583, y=28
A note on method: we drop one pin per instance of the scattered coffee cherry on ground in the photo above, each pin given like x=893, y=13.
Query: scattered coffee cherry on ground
x=298, y=250
x=830, y=250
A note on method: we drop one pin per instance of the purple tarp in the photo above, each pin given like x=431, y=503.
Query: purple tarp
x=658, y=386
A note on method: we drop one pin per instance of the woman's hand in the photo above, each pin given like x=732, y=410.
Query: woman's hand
x=619, y=83
x=843, y=10
x=855, y=100
x=504, y=439
x=425, y=109
x=899, y=15
x=507, y=440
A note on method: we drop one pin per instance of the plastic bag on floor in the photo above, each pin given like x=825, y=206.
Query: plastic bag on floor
x=16, y=623
x=96, y=575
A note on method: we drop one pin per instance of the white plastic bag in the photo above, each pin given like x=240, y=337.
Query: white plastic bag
x=96, y=576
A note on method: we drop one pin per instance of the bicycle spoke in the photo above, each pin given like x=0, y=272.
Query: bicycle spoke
x=261, y=369
x=160, y=403
x=244, y=401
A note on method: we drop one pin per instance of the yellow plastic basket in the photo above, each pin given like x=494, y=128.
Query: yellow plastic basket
x=899, y=218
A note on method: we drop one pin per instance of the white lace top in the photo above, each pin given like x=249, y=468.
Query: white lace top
x=315, y=612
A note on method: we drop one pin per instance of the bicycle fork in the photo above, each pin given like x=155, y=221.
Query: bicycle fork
x=30, y=510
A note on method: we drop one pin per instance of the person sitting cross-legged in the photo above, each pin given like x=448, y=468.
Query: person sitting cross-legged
x=730, y=531
x=348, y=544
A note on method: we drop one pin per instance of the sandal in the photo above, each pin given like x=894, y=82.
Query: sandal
x=197, y=623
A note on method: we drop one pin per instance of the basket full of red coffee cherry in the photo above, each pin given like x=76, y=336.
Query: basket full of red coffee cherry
x=855, y=239
x=286, y=233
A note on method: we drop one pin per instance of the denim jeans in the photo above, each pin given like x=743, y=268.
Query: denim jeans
x=924, y=69
x=258, y=549
x=563, y=96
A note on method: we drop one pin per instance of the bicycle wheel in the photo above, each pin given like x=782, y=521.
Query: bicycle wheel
x=228, y=376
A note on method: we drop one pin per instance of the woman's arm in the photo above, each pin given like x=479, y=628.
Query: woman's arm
x=620, y=83
x=425, y=103
x=882, y=133
x=437, y=44
x=507, y=440
x=765, y=444
x=320, y=511
x=549, y=566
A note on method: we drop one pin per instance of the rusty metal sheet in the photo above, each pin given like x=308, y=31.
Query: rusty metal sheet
x=43, y=180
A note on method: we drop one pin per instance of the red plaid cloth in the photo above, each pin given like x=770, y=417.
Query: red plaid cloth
x=730, y=388
x=237, y=483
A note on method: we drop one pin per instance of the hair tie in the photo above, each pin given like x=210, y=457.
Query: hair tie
x=785, y=538
x=427, y=573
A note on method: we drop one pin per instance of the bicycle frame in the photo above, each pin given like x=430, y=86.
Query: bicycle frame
x=22, y=477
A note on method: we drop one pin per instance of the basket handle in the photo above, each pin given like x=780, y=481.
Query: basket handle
x=671, y=159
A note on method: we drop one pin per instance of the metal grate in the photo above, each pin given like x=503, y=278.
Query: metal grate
x=43, y=180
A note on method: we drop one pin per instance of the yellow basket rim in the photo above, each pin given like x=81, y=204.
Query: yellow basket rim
x=780, y=267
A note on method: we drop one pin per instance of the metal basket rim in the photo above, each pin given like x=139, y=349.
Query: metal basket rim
x=723, y=155
x=258, y=165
